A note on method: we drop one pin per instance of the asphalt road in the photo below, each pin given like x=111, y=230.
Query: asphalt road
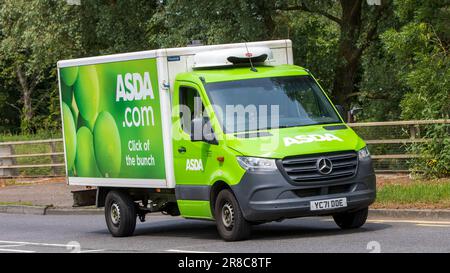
x=88, y=233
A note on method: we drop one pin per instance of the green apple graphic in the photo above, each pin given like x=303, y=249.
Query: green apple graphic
x=85, y=163
x=107, y=145
x=69, y=75
x=87, y=94
x=69, y=135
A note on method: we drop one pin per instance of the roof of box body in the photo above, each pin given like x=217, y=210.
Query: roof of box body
x=168, y=52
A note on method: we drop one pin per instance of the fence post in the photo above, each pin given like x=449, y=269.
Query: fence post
x=5, y=151
x=54, y=158
x=414, y=131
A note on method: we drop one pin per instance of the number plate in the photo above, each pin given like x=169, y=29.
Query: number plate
x=328, y=204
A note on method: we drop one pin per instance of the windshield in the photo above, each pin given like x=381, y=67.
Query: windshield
x=269, y=103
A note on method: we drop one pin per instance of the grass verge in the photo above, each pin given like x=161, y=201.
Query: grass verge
x=418, y=194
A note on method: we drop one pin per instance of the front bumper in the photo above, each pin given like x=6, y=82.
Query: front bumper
x=265, y=196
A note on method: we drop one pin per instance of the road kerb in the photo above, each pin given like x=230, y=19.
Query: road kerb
x=410, y=213
x=73, y=211
x=18, y=209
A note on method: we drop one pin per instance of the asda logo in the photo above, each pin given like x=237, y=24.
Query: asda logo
x=194, y=165
x=300, y=139
x=135, y=87
x=132, y=86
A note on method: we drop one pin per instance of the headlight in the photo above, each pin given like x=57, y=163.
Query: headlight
x=256, y=163
x=363, y=153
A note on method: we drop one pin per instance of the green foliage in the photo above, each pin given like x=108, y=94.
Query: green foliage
x=212, y=22
x=315, y=44
x=424, y=70
x=435, y=153
x=118, y=26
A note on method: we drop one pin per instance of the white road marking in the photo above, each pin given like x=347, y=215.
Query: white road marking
x=16, y=250
x=44, y=244
x=417, y=222
x=10, y=245
x=409, y=221
x=432, y=225
x=91, y=250
x=35, y=244
x=188, y=251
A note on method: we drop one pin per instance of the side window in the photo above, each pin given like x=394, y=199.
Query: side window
x=191, y=107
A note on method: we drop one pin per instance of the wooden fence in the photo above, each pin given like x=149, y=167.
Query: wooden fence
x=32, y=158
x=38, y=158
x=397, y=136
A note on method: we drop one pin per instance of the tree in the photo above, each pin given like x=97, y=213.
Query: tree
x=358, y=26
x=115, y=26
x=34, y=36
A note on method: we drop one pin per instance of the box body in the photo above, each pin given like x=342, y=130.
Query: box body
x=116, y=114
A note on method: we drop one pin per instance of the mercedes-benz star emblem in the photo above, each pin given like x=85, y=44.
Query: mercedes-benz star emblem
x=324, y=165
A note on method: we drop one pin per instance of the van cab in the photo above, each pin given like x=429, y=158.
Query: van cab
x=273, y=172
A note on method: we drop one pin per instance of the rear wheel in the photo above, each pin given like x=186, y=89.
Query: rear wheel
x=120, y=214
x=350, y=220
x=230, y=221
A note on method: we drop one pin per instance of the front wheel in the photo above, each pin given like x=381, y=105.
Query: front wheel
x=351, y=220
x=120, y=214
x=230, y=221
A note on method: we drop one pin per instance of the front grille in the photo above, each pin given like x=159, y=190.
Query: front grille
x=339, y=189
x=310, y=192
x=304, y=168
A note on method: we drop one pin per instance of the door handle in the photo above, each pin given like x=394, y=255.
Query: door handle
x=181, y=150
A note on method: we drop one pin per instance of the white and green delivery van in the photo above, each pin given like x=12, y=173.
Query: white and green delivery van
x=232, y=133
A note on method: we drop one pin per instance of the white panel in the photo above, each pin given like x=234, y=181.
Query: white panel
x=279, y=56
x=290, y=55
x=166, y=112
x=219, y=57
x=109, y=58
x=118, y=182
x=177, y=67
x=62, y=122
x=190, y=61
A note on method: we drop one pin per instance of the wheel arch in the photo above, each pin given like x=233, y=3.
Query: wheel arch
x=101, y=196
x=102, y=192
x=214, y=192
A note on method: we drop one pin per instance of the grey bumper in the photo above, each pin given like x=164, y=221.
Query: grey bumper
x=265, y=196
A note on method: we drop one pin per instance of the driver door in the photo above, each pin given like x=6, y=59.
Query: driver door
x=190, y=157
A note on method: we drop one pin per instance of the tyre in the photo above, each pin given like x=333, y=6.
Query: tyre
x=120, y=214
x=350, y=220
x=230, y=221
